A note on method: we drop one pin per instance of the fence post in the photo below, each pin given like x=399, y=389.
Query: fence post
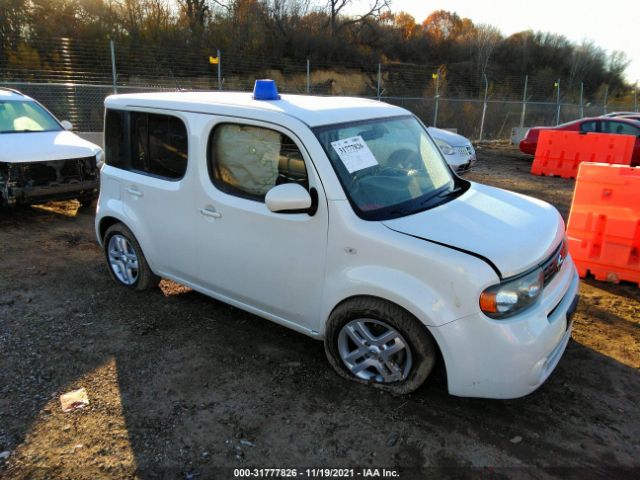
x=581, y=100
x=437, y=98
x=558, y=104
x=219, y=70
x=606, y=98
x=484, y=106
x=524, y=101
x=308, y=77
x=113, y=66
x=379, y=80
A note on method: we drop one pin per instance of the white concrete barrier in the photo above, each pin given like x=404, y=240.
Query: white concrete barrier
x=517, y=134
x=93, y=137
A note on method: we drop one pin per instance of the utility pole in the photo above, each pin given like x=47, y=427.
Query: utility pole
x=484, y=106
x=558, y=103
x=606, y=98
x=524, y=101
x=437, y=98
x=635, y=96
x=113, y=66
x=581, y=100
x=219, y=70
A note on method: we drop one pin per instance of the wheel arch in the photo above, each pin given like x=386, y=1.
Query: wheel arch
x=427, y=328
x=103, y=225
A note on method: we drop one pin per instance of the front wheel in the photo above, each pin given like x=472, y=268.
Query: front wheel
x=372, y=341
x=126, y=262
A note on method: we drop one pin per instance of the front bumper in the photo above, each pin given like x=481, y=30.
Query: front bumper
x=461, y=162
x=528, y=147
x=36, y=182
x=510, y=358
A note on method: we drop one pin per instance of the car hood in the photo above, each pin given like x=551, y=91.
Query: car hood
x=40, y=146
x=451, y=138
x=511, y=232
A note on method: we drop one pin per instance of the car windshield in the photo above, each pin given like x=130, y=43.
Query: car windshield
x=24, y=116
x=389, y=167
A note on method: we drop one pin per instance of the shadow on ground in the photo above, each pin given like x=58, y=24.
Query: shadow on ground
x=181, y=384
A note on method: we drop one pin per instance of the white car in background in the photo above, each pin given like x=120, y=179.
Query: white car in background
x=40, y=159
x=457, y=150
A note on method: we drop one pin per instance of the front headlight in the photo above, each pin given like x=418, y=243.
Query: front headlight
x=100, y=159
x=445, y=147
x=510, y=297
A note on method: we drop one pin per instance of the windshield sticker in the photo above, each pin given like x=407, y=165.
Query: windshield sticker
x=354, y=153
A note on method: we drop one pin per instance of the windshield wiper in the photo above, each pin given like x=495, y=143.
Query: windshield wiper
x=437, y=194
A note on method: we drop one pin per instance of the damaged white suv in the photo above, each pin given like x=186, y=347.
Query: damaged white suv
x=338, y=218
x=39, y=159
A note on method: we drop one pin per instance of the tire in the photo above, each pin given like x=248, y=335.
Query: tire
x=411, y=365
x=120, y=249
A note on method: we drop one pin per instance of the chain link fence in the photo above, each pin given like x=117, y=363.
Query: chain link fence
x=73, y=78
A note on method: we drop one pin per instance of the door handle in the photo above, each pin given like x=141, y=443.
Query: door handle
x=210, y=212
x=135, y=192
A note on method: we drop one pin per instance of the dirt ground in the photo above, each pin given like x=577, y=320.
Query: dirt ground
x=182, y=386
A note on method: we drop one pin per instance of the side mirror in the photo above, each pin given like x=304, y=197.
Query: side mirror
x=66, y=124
x=288, y=198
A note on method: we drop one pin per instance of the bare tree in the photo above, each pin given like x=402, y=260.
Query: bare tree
x=484, y=42
x=334, y=10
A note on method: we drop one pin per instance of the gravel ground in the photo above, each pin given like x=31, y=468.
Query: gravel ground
x=182, y=386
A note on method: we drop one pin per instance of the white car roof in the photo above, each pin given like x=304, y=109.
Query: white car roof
x=312, y=110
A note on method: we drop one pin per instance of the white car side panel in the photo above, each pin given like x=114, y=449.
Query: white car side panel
x=436, y=284
x=273, y=261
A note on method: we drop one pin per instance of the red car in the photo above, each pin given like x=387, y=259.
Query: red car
x=585, y=125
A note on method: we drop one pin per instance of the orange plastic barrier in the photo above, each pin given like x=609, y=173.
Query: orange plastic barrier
x=604, y=222
x=559, y=153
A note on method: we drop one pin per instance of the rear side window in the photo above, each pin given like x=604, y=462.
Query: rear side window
x=158, y=145
x=248, y=161
x=619, y=128
x=115, y=138
x=147, y=143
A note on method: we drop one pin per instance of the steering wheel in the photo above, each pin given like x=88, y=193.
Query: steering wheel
x=404, y=159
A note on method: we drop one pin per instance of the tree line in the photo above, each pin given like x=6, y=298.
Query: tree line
x=273, y=32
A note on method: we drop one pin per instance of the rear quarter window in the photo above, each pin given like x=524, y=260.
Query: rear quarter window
x=115, y=138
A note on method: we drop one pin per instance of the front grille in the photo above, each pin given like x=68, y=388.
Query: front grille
x=54, y=171
x=465, y=150
x=552, y=265
x=39, y=174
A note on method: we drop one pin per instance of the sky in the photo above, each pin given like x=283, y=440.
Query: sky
x=614, y=27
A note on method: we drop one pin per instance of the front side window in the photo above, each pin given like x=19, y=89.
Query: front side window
x=388, y=167
x=588, y=127
x=248, y=161
x=22, y=116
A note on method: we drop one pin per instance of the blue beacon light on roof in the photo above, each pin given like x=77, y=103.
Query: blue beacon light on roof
x=265, y=90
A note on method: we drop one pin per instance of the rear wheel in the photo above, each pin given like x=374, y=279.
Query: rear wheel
x=126, y=262
x=372, y=341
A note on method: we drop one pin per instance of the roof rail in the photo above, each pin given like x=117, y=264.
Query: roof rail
x=12, y=90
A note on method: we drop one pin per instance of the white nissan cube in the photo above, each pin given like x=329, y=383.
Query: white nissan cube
x=340, y=219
